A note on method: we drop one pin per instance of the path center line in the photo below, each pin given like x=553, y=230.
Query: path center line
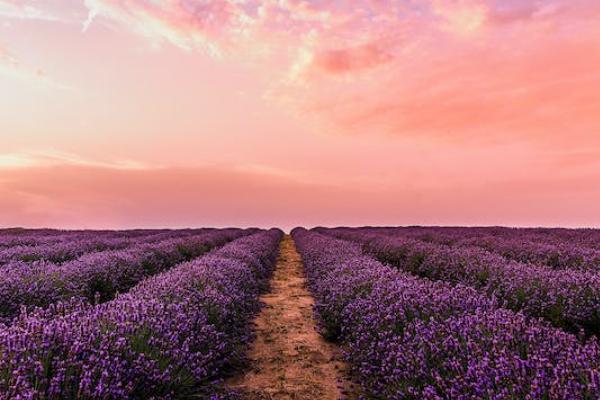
x=289, y=359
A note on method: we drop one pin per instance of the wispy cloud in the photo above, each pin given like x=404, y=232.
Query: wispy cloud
x=92, y=13
x=189, y=25
x=49, y=11
x=52, y=158
x=462, y=17
x=95, y=196
x=460, y=69
x=12, y=68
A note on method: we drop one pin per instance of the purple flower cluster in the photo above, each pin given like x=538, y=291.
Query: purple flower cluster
x=569, y=299
x=168, y=337
x=75, y=244
x=553, y=248
x=32, y=237
x=585, y=238
x=98, y=276
x=411, y=338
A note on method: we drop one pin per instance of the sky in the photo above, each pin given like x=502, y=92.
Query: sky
x=174, y=113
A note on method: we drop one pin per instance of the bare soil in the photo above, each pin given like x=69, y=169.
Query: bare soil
x=289, y=359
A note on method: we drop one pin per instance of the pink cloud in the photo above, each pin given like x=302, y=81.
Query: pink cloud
x=12, y=68
x=421, y=111
x=351, y=59
x=105, y=197
x=187, y=24
x=38, y=10
x=513, y=71
x=6, y=57
x=458, y=69
x=462, y=17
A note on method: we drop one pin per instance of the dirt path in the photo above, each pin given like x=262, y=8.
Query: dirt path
x=289, y=359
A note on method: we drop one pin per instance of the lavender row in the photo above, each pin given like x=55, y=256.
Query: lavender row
x=99, y=276
x=556, y=254
x=35, y=237
x=568, y=299
x=169, y=337
x=587, y=238
x=523, y=245
x=408, y=338
x=75, y=246
x=32, y=237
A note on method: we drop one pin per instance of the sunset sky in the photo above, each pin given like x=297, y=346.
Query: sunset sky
x=147, y=113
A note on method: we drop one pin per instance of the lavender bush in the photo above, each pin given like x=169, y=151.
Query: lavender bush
x=408, y=338
x=75, y=244
x=98, y=276
x=555, y=248
x=521, y=246
x=568, y=299
x=168, y=337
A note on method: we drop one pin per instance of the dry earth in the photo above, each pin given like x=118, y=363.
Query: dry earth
x=289, y=359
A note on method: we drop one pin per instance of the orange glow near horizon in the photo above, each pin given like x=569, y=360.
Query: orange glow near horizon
x=139, y=113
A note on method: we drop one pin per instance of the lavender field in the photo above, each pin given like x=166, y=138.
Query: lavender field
x=372, y=313
x=370, y=131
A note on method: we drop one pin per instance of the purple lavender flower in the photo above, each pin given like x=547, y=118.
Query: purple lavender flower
x=169, y=336
x=567, y=298
x=412, y=338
